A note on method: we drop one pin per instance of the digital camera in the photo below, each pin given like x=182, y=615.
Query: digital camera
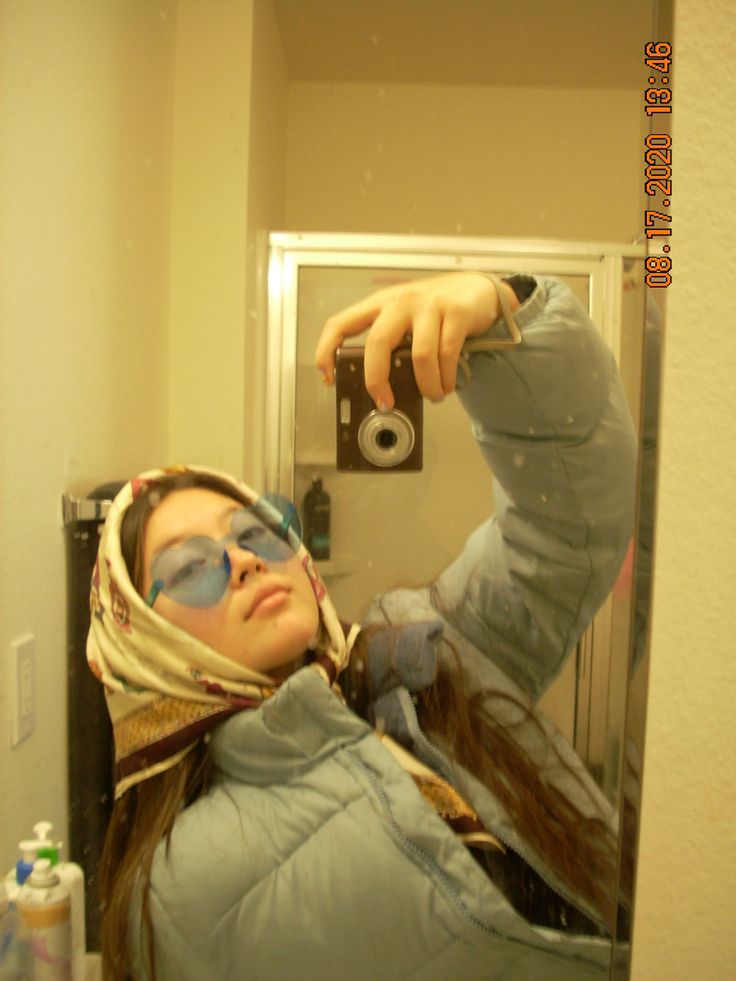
x=369, y=440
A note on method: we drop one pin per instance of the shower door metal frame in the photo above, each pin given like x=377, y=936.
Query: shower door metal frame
x=601, y=262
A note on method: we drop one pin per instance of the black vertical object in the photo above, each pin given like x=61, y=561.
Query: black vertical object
x=90, y=749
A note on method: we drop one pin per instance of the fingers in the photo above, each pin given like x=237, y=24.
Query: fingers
x=386, y=334
x=425, y=351
x=439, y=312
x=349, y=322
x=453, y=336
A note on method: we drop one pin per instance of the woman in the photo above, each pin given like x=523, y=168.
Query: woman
x=301, y=797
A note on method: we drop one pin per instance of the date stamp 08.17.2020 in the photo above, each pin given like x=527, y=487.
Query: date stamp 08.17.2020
x=658, y=161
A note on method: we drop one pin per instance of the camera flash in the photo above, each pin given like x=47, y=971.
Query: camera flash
x=345, y=412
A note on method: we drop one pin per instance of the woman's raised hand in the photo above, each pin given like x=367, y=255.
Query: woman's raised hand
x=439, y=313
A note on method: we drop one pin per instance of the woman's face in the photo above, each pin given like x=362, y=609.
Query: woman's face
x=268, y=615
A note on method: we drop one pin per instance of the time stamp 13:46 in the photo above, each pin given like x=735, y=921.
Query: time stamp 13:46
x=658, y=160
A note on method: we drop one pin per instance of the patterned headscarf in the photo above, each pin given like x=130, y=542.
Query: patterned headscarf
x=164, y=687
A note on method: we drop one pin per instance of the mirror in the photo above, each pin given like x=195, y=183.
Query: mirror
x=465, y=118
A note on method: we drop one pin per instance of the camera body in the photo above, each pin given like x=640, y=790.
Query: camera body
x=373, y=441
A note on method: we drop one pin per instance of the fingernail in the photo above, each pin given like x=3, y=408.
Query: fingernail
x=382, y=406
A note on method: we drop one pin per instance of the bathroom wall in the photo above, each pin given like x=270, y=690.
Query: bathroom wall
x=228, y=182
x=684, y=925
x=486, y=160
x=85, y=159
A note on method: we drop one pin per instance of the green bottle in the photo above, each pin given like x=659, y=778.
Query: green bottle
x=316, y=510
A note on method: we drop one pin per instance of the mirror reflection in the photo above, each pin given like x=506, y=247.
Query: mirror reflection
x=262, y=119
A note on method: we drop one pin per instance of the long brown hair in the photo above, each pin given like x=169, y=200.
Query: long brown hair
x=145, y=814
x=580, y=850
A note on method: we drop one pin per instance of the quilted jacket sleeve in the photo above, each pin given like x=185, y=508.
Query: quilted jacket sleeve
x=551, y=420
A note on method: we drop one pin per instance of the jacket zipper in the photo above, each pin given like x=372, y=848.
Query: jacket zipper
x=445, y=768
x=429, y=860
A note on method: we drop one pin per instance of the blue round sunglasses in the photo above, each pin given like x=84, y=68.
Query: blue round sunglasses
x=196, y=573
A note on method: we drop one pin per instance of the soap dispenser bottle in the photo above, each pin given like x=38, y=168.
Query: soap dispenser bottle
x=317, y=518
x=45, y=911
x=72, y=877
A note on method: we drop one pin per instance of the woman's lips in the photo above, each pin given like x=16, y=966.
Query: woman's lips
x=267, y=600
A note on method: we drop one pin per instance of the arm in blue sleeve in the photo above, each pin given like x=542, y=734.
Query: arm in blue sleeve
x=551, y=420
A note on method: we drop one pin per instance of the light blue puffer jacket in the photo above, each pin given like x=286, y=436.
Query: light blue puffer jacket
x=314, y=856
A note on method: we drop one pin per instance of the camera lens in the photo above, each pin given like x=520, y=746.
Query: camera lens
x=386, y=438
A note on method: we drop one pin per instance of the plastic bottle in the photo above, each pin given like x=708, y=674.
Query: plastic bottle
x=22, y=868
x=316, y=508
x=71, y=876
x=15, y=948
x=44, y=906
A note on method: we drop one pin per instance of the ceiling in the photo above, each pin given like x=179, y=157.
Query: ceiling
x=575, y=43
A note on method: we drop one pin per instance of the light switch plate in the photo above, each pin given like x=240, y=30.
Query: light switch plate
x=23, y=687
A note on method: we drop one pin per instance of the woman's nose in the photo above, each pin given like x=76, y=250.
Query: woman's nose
x=242, y=562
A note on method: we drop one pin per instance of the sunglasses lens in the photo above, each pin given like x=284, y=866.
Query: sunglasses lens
x=193, y=574
x=271, y=528
x=196, y=572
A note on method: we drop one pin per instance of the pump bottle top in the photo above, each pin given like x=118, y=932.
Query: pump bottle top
x=43, y=876
x=42, y=830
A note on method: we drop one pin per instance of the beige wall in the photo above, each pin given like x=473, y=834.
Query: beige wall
x=266, y=211
x=85, y=103
x=458, y=160
x=227, y=188
x=684, y=920
x=209, y=233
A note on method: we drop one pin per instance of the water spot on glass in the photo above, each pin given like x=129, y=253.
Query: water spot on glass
x=570, y=419
x=519, y=459
x=163, y=15
x=543, y=497
x=379, y=147
x=531, y=430
x=458, y=227
x=368, y=175
x=374, y=39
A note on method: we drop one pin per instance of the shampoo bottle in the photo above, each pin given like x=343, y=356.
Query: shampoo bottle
x=45, y=911
x=316, y=508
